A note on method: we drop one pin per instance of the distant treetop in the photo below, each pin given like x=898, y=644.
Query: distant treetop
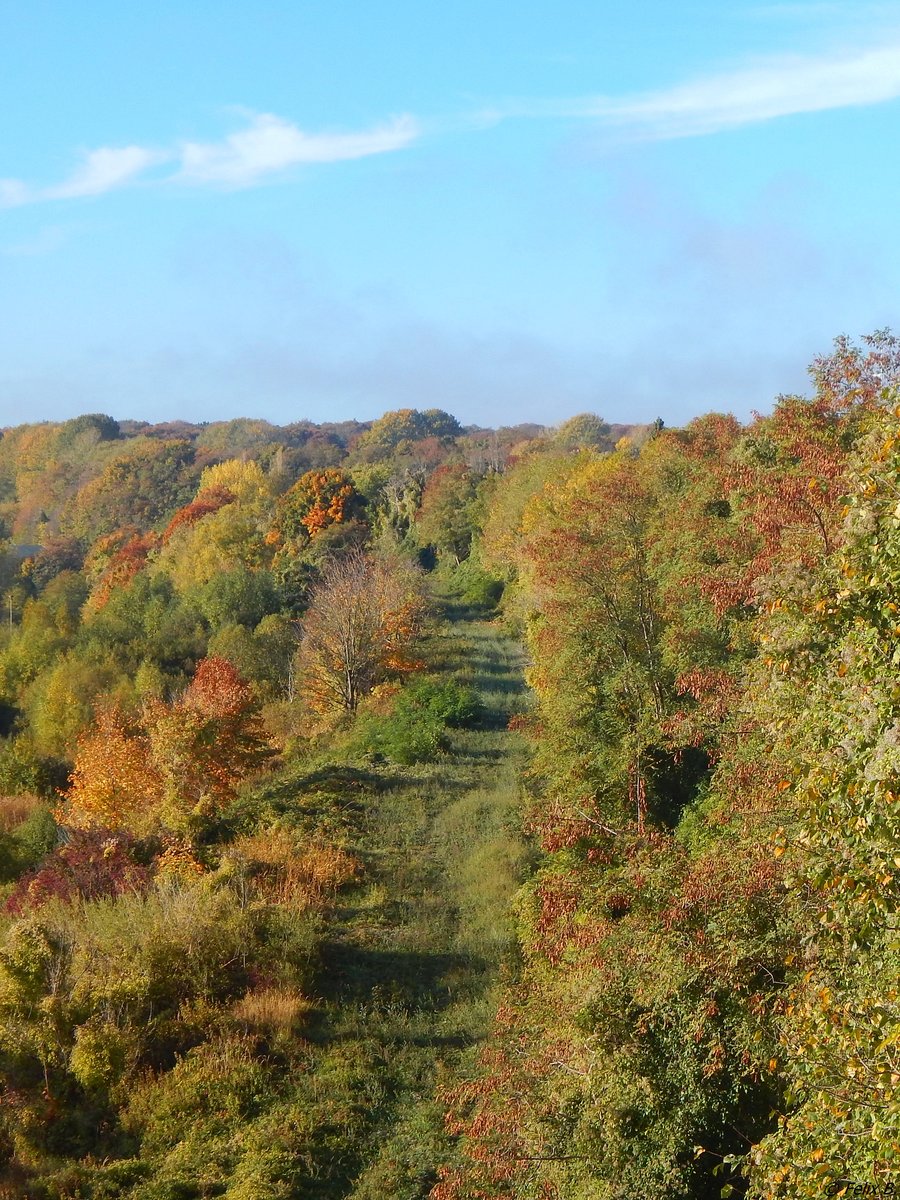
x=106, y=428
x=405, y=425
x=585, y=429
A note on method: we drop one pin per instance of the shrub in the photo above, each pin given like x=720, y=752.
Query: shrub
x=477, y=588
x=99, y=1055
x=455, y=704
x=416, y=728
x=92, y=863
x=28, y=834
x=22, y=769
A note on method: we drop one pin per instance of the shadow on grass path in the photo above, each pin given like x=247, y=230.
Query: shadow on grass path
x=412, y=954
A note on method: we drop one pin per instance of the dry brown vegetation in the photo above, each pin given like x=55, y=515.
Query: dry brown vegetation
x=271, y=1009
x=16, y=809
x=297, y=877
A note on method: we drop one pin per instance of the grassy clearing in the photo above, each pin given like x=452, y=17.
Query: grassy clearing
x=413, y=950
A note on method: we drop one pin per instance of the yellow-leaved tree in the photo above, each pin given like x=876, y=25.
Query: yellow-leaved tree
x=222, y=529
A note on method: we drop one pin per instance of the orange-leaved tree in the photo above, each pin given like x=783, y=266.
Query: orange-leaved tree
x=318, y=499
x=125, y=553
x=207, y=501
x=176, y=764
x=115, y=782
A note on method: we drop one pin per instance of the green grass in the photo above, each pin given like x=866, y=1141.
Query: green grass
x=412, y=953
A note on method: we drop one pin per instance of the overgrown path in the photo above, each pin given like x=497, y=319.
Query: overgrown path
x=413, y=953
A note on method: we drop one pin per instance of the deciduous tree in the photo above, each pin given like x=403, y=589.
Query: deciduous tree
x=174, y=765
x=318, y=499
x=363, y=620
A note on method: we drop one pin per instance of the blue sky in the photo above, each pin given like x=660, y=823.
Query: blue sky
x=511, y=211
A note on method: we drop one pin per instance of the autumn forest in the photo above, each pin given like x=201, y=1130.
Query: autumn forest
x=398, y=810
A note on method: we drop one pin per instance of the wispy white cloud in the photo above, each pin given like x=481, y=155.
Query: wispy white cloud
x=101, y=170
x=105, y=169
x=768, y=89
x=271, y=144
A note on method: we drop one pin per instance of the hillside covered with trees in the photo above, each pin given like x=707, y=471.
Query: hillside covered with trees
x=398, y=809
